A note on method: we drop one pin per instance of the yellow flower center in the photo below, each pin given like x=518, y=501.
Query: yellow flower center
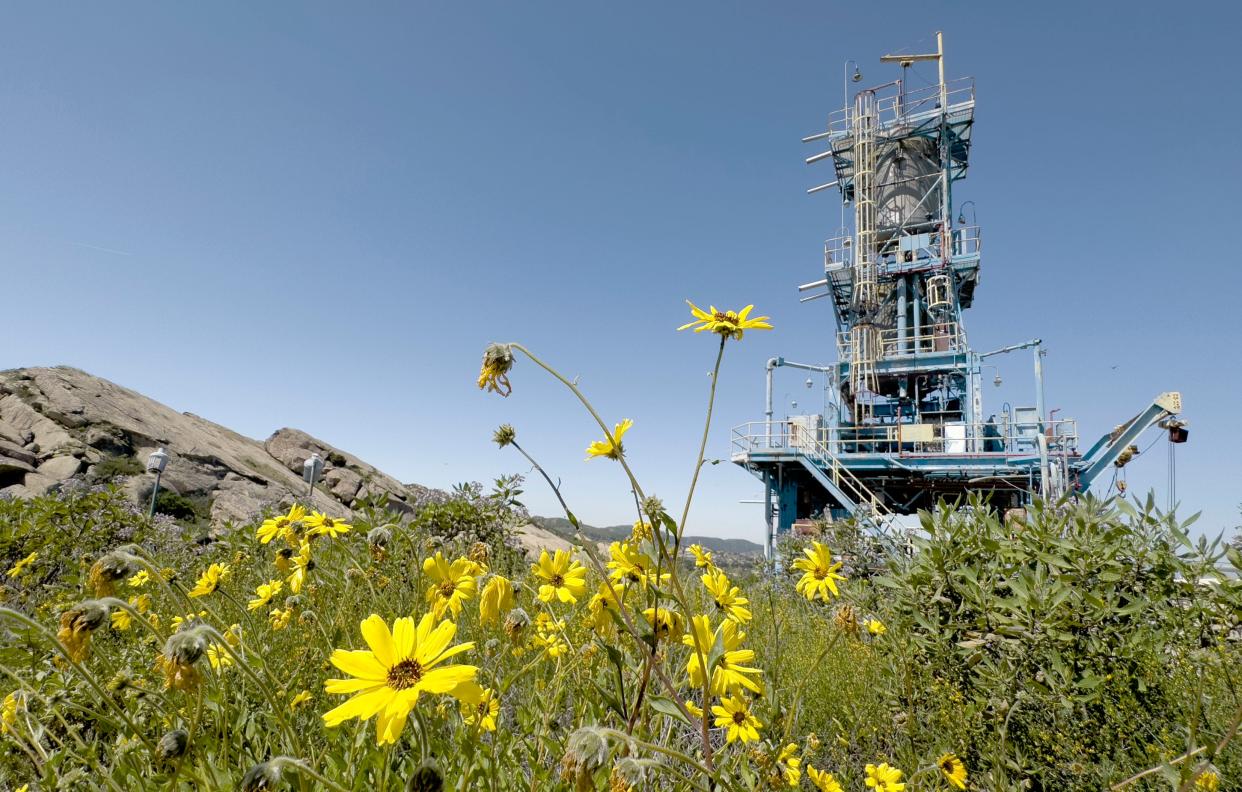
x=404, y=674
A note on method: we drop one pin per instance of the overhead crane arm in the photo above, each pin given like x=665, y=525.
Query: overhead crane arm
x=1111, y=446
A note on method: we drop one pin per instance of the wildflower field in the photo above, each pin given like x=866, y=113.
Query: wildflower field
x=1092, y=646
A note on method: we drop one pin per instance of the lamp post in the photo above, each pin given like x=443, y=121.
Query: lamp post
x=311, y=469
x=157, y=461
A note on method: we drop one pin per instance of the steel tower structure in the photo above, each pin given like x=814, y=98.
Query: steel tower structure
x=905, y=424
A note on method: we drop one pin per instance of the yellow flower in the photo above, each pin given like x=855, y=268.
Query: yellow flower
x=728, y=598
x=702, y=558
x=264, y=593
x=611, y=445
x=693, y=709
x=496, y=600
x=280, y=618
x=820, y=573
x=177, y=621
x=876, y=627
x=1208, y=780
x=299, y=699
x=21, y=565
x=601, y=606
x=823, y=780
x=667, y=624
x=140, y=579
x=8, y=713
x=76, y=626
x=301, y=564
x=728, y=671
x=884, y=778
x=397, y=668
x=141, y=603
x=642, y=531
x=549, y=635
x=791, y=764
x=121, y=620
x=954, y=770
x=210, y=580
x=564, y=578
x=284, y=560
x=497, y=360
x=727, y=324
x=630, y=563
x=219, y=658
x=483, y=714
x=451, y=584
x=281, y=525
x=734, y=714
x=319, y=524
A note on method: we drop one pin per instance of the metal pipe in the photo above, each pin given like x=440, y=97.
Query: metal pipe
x=767, y=412
x=154, y=492
x=1044, y=488
x=902, y=286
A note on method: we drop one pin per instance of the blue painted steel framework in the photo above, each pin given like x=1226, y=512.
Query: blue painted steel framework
x=906, y=424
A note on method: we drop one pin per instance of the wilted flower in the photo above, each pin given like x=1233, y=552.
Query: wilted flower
x=264, y=775
x=105, y=572
x=497, y=360
x=76, y=626
x=516, y=623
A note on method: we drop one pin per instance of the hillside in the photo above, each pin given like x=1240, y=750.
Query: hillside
x=561, y=527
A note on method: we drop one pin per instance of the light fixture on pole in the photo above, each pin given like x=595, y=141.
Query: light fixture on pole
x=961, y=214
x=157, y=461
x=311, y=469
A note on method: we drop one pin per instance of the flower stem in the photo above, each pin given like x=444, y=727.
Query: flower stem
x=698, y=464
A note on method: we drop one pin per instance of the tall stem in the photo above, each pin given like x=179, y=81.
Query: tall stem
x=698, y=463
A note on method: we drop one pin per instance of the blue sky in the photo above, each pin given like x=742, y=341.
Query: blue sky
x=284, y=214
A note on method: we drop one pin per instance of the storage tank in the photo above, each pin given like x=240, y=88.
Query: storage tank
x=907, y=185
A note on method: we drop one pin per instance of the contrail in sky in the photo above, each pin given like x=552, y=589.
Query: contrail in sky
x=97, y=247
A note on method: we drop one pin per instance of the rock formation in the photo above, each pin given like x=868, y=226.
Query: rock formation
x=59, y=424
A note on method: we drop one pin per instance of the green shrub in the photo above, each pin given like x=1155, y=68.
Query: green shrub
x=112, y=467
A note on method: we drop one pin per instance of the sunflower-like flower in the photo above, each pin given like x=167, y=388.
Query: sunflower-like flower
x=820, y=578
x=563, y=578
x=702, y=558
x=875, y=626
x=610, y=446
x=884, y=778
x=493, y=374
x=728, y=597
x=730, y=670
x=220, y=659
x=319, y=524
x=823, y=780
x=280, y=618
x=954, y=770
x=482, y=714
x=281, y=525
x=496, y=600
x=1208, y=781
x=264, y=594
x=299, y=699
x=8, y=713
x=631, y=564
x=140, y=579
x=727, y=324
x=300, y=564
x=602, y=605
x=451, y=584
x=396, y=669
x=664, y=623
x=550, y=635
x=790, y=764
x=210, y=580
x=733, y=713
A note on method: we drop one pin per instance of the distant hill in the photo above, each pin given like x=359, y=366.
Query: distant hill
x=562, y=528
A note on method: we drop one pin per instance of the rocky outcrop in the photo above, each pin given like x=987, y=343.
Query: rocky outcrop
x=60, y=424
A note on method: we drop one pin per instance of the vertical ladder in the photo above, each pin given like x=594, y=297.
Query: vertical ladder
x=863, y=338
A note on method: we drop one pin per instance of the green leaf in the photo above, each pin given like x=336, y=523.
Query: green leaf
x=667, y=707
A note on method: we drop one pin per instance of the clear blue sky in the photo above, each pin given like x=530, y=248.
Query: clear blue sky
x=315, y=215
